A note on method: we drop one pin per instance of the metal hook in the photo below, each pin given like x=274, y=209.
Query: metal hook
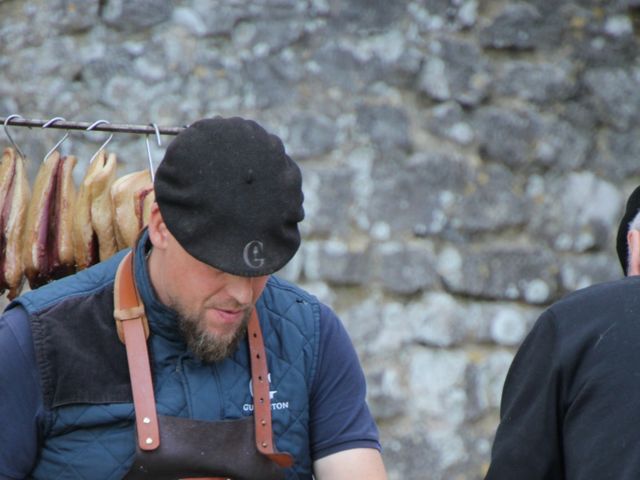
x=91, y=127
x=6, y=131
x=146, y=139
x=53, y=120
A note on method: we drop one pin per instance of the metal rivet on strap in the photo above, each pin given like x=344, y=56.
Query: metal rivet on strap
x=146, y=420
x=263, y=422
x=264, y=444
x=149, y=441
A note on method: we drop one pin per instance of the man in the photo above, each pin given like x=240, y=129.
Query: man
x=570, y=401
x=229, y=201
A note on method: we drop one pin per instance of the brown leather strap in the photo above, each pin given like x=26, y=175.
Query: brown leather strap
x=261, y=396
x=133, y=330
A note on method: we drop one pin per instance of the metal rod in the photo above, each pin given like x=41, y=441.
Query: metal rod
x=109, y=127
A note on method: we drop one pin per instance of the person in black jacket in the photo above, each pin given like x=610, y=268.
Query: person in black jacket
x=571, y=401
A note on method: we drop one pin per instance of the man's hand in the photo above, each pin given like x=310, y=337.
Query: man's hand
x=354, y=464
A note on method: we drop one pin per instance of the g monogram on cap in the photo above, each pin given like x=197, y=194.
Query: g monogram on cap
x=253, y=254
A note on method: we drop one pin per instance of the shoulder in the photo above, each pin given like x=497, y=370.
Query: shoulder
x=601, y=316
x=279, y=286
x=602, y=291
x=287, y=302
x=15, y=335
x=599, y=303
x=80, y=284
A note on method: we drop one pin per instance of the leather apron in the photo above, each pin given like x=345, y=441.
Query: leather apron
x=172, y=448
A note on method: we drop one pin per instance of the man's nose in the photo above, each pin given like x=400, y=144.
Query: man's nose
x=240, y=289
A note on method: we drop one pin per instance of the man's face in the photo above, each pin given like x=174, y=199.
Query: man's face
x=214, y=307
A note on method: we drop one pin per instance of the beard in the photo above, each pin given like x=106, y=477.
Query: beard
x=205, y=345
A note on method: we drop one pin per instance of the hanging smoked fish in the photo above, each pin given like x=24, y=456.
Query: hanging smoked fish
x=132, y=196
x=94, y=237
x=14, y=201
x=48, y=246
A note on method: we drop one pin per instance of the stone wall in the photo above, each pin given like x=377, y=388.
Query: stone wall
x=465, y=162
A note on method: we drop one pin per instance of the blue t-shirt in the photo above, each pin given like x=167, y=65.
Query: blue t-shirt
x=339, y=416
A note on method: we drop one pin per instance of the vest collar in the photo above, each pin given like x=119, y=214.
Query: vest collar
x=163, y=320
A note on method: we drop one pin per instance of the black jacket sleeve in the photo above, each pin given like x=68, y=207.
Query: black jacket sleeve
x=528, y=442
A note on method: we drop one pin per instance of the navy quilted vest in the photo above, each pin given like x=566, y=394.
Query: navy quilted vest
x=89, y=429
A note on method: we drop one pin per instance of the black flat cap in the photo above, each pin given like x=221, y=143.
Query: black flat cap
x=231, y=196
x=633, y=206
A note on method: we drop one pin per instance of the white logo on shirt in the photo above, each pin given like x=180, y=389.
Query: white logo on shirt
x=248, y=407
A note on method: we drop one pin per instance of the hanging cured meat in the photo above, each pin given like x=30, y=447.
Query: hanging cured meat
x=132, y=196
x=14, y=201
x=48, y=249
x=94, y=237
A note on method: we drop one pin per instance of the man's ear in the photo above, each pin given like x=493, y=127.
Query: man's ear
x=633, y=245
x=158, y=232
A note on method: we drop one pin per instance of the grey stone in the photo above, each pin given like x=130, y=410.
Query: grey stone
x=437, y=385
x=436, y=320
x=406, y=269
x=616, y=96
x=320, y=290
x=618, y=157
x=219, y=17
x=618, y=26
x=578, y=113
x=387, y=126
x=562, y=146
x=501, y=323
x=408, y=452
x=504, y=273
x=274, y=34
x=377, y=327
x=267, y=85
x=133, y=16
x=293, y=270
x=338, y=263
x=495, y=186
x=603, y=42
x=576, y=212
x=507, y=135
x=73, y=16
x=455, y=70
x=340, y=68
x=365, y=15
x=578, y=272
x=486, y=379
x=444, y=14
x=448, y=120
x=417, y=193
x=514, y=28
x=101, y=67
x=523, y=138
x=44, y=61
x=191, y=20
x=508, y=327
x=541, y=83
x=310, y=135
x=384, y=392
x=327, y=199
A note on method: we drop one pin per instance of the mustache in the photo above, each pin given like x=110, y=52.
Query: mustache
x=231, y=306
